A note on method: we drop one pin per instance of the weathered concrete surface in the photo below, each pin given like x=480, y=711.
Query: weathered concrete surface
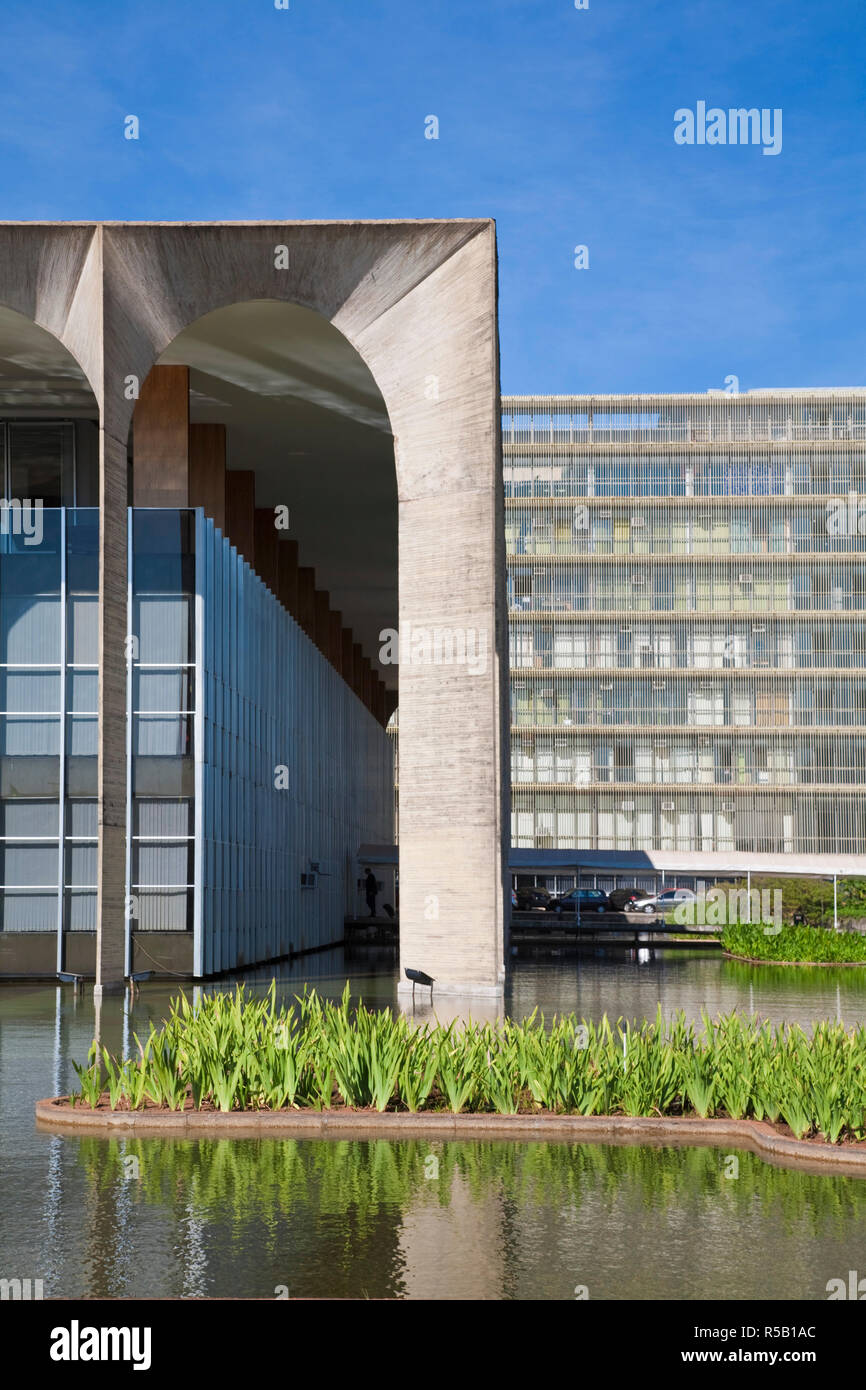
x=418, y=301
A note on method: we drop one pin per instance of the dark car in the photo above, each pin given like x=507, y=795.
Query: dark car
x=590, y=900
x=627, y=899
x=533, y=899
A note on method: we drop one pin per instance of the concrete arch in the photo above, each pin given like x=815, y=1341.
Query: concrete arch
x=296, y=407
x=418, y=301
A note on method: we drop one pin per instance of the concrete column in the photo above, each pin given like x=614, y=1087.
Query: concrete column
x=347, y=660
x=207, y=471
x=266, y=542
x=160, y=430
x=241, y=512
x=111, y=758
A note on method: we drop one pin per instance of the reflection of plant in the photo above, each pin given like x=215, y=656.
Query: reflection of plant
x=234, y=1053
x=233, y=1182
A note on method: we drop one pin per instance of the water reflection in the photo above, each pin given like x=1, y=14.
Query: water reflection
x=451, y=1220
x=500, y=1220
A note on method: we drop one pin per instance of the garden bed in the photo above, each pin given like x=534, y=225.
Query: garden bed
x=239, y=1059
x=793, y=945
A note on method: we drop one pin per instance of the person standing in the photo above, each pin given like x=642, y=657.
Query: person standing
x=371, y=888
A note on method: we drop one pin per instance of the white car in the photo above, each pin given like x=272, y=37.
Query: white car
x=664, y=902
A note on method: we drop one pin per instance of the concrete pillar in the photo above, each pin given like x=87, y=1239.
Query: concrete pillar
x=266, y=541
x=111, y=757
x=160, y=431
x=241, y=512
x=207, y=471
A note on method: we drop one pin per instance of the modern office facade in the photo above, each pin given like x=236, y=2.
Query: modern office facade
x=687, y=595
x=219, y=432
x=254, y=768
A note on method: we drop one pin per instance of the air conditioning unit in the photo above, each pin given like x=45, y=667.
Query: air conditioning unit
x=727, y=806
x=625, y=629
x=759, y=629
x=638, y=521
x=744, y=578
x=627, y=806
x=308, y=880
x=668, y=806
x=638, y=579
x=606, y=685
x=659, y=685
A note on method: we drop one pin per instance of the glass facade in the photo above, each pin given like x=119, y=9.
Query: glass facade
x=687, y=593
x=48, y=666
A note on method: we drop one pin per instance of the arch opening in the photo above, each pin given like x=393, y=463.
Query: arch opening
x=262, y=415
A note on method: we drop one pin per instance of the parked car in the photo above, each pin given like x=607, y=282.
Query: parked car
x=533, y=899
x=664, y=902
x=628, y=899
x=590, y=900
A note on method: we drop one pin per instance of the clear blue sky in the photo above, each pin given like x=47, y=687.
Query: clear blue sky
x=704, y=261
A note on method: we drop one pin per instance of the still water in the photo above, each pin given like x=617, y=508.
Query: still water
x=106, y=1218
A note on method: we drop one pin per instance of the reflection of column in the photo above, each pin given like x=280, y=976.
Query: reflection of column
x=457, y=1250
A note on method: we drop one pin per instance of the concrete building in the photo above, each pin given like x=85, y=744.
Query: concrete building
x=250, y=448
x=687, y=595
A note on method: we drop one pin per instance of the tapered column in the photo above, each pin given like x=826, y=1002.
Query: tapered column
x=335, y=645
x=266, y=541
x=207, y=471
x=111, y=758
x=160, y=439
x=241, y=512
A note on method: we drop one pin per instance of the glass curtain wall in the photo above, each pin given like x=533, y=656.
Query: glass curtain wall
x=687, y=586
